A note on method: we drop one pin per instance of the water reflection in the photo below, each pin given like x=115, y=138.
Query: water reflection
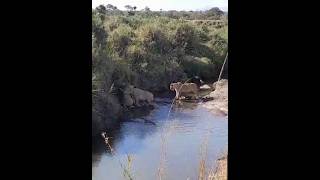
x=180, y=104
x=188, y=124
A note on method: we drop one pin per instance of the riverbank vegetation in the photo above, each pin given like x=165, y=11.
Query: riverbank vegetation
x=149, y=50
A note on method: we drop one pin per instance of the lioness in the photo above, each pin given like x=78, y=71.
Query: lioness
x=185, y=89
x=140, y=95
x=136, y=96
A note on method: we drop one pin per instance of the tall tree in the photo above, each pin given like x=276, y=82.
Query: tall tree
x=146, y=8
x=111, y=7
x=101, y=9
x=214, y=12
x=130, y=9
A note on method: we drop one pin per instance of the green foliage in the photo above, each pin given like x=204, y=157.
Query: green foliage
x=219, y=42
x=148, y=46
x=99, y=35
x=151, y=49
x=120, y=39
x=202, y=67
x=214, y=13
x=153, y=39
x=185, y=37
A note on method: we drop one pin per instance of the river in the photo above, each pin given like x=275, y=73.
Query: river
x=180, y=136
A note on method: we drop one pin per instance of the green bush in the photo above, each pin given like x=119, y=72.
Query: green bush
x=185, y=37
x=120, y=39
x=150, y=50
x=202, y=67
x=153, y=39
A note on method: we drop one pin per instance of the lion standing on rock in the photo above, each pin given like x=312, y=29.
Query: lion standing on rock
x=186, y=89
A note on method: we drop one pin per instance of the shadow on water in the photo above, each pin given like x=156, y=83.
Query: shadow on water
x=184, y=105
x=138, y=121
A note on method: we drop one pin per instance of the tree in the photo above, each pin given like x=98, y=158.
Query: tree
x=173, y=14
x=101, y=9
x=130, y=9
x=111, y=7
x=214, y=12
x=147, y=9
x=99, y=35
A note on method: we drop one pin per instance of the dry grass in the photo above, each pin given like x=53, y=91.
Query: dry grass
x=167, y=130
x=221, y=170
x=126, y=168
x=202, y=170
x=161, y=169
x=127, y=172
x=203, y=156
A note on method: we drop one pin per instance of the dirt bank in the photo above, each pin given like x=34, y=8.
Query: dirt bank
x=219, y=96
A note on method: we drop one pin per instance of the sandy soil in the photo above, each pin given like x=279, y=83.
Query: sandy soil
x=219, y=96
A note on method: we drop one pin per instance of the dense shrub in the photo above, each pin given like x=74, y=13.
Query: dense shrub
x=186, y=37
x=202, y=67
x=149, y=50
x=120, y=39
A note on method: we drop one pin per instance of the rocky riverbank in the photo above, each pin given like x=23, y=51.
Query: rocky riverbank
x=121, y=105
x=218, y=103
x=118, y=104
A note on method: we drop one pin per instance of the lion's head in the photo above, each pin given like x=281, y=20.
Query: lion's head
x=174, y=86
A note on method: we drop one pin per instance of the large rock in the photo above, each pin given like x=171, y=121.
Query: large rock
x=220, y=90
x=205, y=87
x=220, y=97
x=106, y=113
